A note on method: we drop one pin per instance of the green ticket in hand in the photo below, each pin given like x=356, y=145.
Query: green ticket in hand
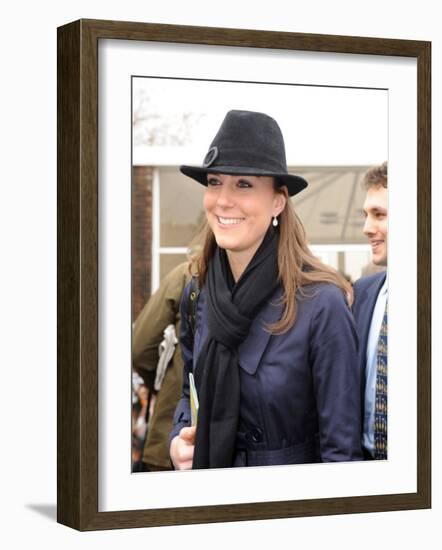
x=193, y=401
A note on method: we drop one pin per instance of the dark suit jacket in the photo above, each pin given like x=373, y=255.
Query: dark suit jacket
x=366, y=291
x=300, y=398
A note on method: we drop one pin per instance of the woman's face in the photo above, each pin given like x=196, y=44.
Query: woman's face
x=239, y=210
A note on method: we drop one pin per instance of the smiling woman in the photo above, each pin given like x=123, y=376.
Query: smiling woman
x=273, y=348
x=239, y=210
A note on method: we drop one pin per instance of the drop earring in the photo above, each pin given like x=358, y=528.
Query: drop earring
x=275, y=221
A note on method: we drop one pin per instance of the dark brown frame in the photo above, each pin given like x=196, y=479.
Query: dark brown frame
x=77, y=225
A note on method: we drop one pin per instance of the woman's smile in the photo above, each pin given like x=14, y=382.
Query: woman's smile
x=229, y=222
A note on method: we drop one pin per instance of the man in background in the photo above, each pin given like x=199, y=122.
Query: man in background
x=370, y=312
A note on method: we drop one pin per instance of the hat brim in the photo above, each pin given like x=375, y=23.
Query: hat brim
x=294, y=183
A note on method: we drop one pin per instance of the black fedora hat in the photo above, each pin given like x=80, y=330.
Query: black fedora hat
x=247, y=143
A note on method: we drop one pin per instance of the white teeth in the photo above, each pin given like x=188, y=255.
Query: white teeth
x=230, y=221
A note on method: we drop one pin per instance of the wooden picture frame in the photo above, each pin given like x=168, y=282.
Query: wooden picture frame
x=77, y=225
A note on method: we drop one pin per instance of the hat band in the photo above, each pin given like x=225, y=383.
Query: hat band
x=247, y=158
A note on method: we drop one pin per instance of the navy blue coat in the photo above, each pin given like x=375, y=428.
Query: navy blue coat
x=300, y=391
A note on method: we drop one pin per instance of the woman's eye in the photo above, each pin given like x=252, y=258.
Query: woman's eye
x=213, y=181
x=243, y=184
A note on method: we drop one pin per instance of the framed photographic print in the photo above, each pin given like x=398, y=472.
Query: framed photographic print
x=135, y=102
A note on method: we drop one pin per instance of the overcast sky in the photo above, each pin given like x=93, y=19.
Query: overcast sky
x=321, y=125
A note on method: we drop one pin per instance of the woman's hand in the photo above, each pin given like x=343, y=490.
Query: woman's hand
x=182, y=447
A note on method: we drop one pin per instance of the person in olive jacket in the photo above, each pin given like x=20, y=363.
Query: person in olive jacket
x=161, y=311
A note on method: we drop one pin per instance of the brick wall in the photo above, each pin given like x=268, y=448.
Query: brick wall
x=141, y=237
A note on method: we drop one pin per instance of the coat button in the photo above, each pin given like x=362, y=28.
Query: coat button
x=257, y=435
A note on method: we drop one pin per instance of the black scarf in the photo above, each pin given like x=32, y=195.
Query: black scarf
x=230, y=314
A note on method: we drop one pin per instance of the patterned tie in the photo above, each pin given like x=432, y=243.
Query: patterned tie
x=380, y=413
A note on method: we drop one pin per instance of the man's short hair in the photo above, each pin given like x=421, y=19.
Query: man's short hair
x=376, y=176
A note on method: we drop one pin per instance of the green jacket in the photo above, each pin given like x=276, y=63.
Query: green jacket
x=161, y=310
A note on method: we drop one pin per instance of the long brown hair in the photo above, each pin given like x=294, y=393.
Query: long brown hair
x=297, y=266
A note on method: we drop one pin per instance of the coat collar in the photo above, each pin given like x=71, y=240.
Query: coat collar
x=253, y=347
